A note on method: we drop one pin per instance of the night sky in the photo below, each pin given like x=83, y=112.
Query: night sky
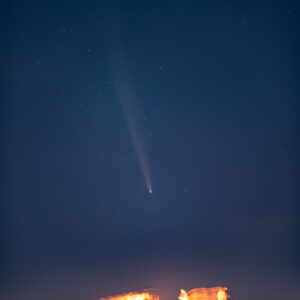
x=102, y=99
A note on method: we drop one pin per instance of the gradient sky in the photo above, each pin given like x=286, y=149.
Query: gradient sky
x=212, y=91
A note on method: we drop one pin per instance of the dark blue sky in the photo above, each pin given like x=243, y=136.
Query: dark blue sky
x=216, y=104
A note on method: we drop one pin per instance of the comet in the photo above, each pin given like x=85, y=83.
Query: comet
x=128, y=103
x=127, y=97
